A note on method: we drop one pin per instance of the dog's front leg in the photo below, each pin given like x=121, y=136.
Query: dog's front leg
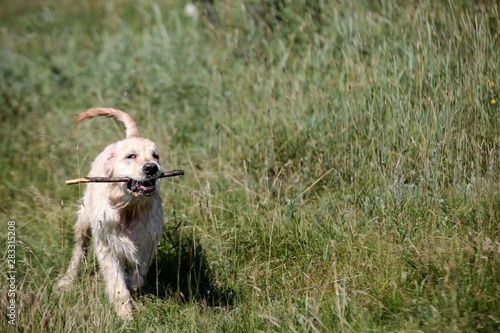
x=138, y=272
x=116, y=288
x=137, y=276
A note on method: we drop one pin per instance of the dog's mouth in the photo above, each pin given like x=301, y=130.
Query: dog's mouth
x=145, y=188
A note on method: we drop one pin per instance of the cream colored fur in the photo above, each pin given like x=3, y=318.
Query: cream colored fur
x=125, y=224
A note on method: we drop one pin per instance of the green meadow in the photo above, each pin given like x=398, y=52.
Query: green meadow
x=342, y=162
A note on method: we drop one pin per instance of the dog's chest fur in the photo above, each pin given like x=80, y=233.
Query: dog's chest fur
x=129, y=232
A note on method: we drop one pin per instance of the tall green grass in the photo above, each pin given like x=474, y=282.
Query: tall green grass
x=341, y=158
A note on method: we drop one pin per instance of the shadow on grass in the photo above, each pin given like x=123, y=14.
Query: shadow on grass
x=181, y=271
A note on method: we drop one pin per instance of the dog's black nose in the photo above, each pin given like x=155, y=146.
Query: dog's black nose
x=150, y=169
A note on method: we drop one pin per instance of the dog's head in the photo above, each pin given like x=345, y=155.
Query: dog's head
x=137, y=159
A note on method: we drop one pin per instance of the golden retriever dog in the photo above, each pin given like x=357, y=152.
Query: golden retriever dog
x=125, y=219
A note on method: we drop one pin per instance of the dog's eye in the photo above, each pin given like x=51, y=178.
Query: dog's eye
x=156, y=156
x=131, y=156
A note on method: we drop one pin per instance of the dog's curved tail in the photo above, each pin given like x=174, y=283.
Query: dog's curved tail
x=131, y=129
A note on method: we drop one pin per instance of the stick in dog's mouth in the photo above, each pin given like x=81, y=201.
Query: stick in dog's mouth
x=132, y=183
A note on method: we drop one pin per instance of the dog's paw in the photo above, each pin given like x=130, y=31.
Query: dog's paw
x=124, y=311
x=64, y=283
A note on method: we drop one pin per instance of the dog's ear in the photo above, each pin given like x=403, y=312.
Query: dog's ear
x=110, y=160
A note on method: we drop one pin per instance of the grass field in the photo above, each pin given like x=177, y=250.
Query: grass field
x=342, y=161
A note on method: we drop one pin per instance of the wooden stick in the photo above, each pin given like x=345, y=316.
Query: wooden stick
x=118, y=179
